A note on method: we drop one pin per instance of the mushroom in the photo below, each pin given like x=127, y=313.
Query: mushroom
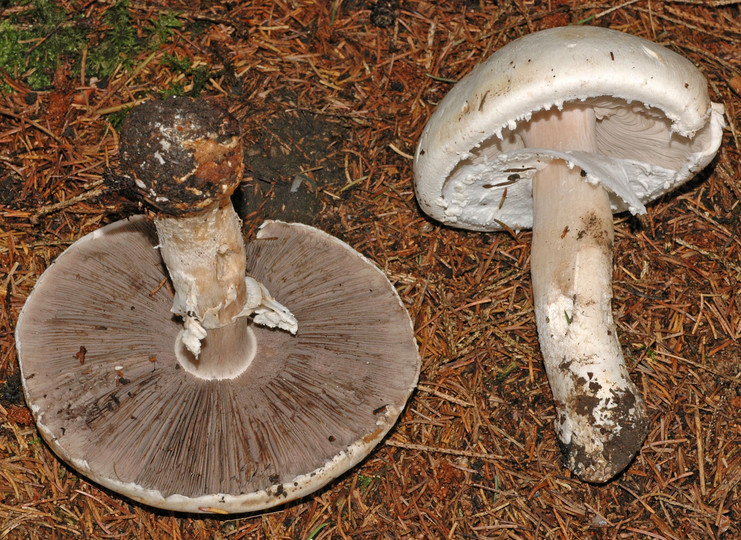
x=275, y=403
x=556, y=131
x=184, y=158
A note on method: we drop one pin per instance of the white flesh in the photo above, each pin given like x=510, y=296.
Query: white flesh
x=600, y=416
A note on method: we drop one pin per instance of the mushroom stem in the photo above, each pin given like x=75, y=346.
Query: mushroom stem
x=225, y=352
x=205, y=257
x=601, y=422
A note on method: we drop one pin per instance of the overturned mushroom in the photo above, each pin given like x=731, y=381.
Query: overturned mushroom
x=556, y=131
x=185, y=158
x=297, y=374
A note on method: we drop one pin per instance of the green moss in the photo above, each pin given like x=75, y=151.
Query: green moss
x=117, y=118
x=177, y=65
x=161, y=29
x=119, y=43
x=364, y=482
x=34, y=43
x=10, y=49
x=198, y=77
x=33, y=52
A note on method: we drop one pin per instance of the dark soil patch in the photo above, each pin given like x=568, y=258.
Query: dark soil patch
x=293, y=156
x=11, y=391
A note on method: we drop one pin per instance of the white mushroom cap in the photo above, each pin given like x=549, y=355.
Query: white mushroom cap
x=656, y=125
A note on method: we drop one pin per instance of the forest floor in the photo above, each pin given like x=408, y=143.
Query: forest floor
x=332, y=97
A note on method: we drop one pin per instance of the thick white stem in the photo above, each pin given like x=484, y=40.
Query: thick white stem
x=600, y=421
x=205, y=258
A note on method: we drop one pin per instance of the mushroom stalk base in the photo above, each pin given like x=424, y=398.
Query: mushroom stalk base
x=226, y=352
x=600, y=421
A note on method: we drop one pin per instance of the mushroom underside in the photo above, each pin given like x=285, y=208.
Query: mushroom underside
x=96, y=342
x=637, y=158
